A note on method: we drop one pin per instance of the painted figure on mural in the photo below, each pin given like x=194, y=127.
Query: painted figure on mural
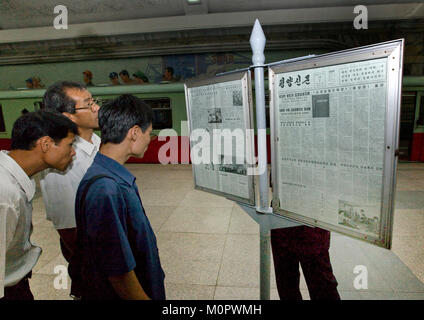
x=169, y=75
x=140, y=77
x=37, y=83
x=34, y=83
x=125, y=77
x=88, y=77
x=29, y=83
x=113, y=76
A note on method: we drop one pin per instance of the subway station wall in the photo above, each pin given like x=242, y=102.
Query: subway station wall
x=186, y=66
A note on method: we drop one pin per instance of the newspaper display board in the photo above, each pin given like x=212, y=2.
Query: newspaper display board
x=223, y=104
x=334, y=131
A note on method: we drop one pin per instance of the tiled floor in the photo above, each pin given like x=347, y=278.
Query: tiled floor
x=209, y=247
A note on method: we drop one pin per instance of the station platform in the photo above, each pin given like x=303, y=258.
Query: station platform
x=209, y=247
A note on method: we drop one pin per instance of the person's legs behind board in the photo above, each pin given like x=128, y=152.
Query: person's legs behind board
x=286, y=266
x=319, y=277
x=19, y=291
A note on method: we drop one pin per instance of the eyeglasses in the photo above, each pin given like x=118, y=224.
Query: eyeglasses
x=92, y=104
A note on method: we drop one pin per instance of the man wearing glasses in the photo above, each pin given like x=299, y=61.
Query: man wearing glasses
x=59, y=188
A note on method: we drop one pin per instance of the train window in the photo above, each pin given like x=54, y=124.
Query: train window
x=407, y=116
x=162, y=112
x=2, y=124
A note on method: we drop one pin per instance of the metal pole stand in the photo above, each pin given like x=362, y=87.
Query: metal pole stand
x=257, y=42
x=267, y=220
x=263, y=213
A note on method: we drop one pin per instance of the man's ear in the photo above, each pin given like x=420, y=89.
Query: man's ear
x=71, y=116
x=45, y=143
x=133, y=132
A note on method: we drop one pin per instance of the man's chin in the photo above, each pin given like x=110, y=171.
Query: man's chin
x=64, y=168
x=138, y=156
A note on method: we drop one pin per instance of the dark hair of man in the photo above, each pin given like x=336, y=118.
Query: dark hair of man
x=32, y=126
x=170, y=70
x=118, y=116
x=55, y=97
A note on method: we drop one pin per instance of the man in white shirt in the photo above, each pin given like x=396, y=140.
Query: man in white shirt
x=40, y=140
x=59, y=188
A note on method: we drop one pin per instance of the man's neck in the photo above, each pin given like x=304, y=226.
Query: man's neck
x=86, y=134
x=26, y=160
x=116, y=152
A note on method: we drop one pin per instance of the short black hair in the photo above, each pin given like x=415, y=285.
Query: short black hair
x=55, y=97
x=118, y=116
x=124, y=72
x=32, y=126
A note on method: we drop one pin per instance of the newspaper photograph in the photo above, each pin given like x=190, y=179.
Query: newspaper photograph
x=330, y=126
x=221, y=107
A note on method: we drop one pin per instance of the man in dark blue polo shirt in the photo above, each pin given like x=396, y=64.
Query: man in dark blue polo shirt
x=120, y=259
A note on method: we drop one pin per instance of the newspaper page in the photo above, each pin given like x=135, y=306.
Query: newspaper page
x=214, y=108
x=331, y=128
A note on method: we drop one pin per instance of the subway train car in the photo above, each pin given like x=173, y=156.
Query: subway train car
x=168, y=104
x=166, y=100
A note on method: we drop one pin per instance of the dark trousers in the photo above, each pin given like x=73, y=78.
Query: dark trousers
x=74, y=271
x=19, y=291
x=316, y=266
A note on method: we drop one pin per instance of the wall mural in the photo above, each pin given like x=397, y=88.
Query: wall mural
x=102, y=72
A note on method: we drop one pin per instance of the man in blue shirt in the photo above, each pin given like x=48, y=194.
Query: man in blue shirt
x=117, y=245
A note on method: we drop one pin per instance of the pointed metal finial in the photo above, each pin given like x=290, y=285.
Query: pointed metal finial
x=257, y=43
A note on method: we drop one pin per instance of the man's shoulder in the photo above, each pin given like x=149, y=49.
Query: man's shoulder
x=95, y=169
x=97, y=177
x=81, y=144
x=10, y=190
x=98, y=190
x=95, y=138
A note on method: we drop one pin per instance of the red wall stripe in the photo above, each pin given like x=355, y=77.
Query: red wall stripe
x=417, y=151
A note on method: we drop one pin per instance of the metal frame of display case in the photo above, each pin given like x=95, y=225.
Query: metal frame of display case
x=392, y=51
x=244, y=77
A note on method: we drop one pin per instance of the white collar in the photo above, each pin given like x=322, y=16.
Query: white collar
x=86, y=146
x=16, y=171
